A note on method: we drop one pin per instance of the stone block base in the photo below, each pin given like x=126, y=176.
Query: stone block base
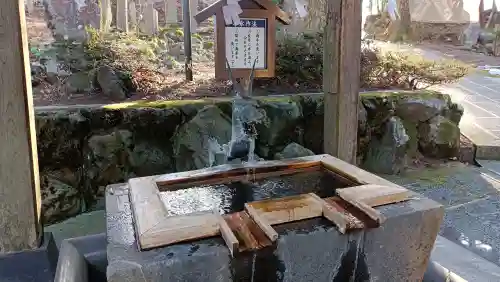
x=309, y=250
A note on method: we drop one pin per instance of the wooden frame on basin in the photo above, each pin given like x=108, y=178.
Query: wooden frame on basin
x=154, y=227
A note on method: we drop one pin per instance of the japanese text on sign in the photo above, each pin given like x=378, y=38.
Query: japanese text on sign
x=246, y=44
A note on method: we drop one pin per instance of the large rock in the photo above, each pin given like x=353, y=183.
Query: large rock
x=312, y=125
x=59, y=138
x=110, y=83
x=283, y=116
x=293, y=150
x=415, y=109
x=379, y=109
x=420, y=108
x=151, y=158
x=102, y=119
x=60, y=195
x=116, y=156
x=151, y=123
x=439, y=137
x=454, y=112
x=192, y=141
x=106, y=161
x=388, y=154
x=80, y=82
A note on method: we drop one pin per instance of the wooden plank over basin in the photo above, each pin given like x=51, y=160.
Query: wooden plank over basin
x=251, y=228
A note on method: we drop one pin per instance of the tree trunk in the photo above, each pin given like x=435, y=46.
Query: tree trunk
x=481, y=14
x=400, y=29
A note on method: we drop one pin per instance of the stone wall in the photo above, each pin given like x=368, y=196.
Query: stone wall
x=81, y=150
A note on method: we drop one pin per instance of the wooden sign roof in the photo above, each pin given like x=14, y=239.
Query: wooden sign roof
x=211, y=10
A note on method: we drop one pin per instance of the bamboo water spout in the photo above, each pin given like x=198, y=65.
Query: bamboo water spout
x=245, y=115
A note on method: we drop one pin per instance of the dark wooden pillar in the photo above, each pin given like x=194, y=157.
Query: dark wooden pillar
x=481, y=14
x=341, y=61
x=20, y=226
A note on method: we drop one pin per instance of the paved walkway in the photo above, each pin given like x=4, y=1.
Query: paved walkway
x=471, y=197
x=479, y=94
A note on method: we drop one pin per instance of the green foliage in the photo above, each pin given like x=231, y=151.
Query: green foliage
x=93, y=37
x=197, y=36
x=208, y=44
x=179, y=32
x=401, y=70
x=147, y=52
x=300, y=61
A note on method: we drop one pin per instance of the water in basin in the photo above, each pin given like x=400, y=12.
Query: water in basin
x=229, y=198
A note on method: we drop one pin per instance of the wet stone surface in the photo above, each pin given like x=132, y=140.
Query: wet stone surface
x=309, y=250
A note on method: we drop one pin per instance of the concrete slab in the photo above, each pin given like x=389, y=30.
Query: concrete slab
x=311, y=250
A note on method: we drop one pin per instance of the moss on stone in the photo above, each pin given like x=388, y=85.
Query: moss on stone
x=284, y=98
x=157, y=104
x=447, y=129
x=423, y=94
x=207, y=101
x=412, y=132
x=280, y=99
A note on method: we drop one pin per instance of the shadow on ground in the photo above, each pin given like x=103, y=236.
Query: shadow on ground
x=471, y=197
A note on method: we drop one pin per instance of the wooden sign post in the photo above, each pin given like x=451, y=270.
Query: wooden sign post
x=252, y=41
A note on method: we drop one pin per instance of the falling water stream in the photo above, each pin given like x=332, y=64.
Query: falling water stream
x=245, y=116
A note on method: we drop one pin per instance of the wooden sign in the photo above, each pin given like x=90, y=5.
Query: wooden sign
x=246, y=44
x=252, y=41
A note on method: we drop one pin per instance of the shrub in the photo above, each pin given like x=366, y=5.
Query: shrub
x=300, y=60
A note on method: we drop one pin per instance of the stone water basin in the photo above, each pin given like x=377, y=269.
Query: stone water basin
x=306, y=250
